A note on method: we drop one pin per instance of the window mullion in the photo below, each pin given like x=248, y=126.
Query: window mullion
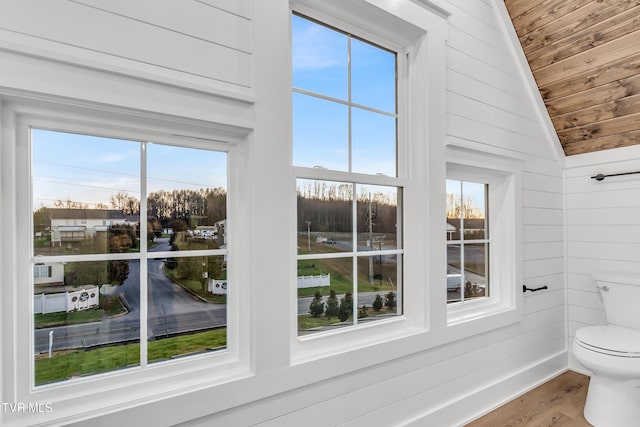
x=143, y=255
x=462, y=243
x=349, y=107
x=344, y=102
x=354, y=228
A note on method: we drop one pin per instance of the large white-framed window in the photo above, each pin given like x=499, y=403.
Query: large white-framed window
x=155, y=268
x=425, y=161
x=349, y=164
x=139, y=294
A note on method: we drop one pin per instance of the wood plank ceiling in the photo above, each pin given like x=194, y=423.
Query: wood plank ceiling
x=585, y=57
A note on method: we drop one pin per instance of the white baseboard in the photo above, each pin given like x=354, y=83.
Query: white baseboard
x=490, y=396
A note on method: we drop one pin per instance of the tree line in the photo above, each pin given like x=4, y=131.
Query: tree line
x=329, y=208
x=164, y=206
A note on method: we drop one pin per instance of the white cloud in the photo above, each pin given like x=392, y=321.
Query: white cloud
x=316, y=48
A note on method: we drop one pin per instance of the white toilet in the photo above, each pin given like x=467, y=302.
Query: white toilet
x=612, y=353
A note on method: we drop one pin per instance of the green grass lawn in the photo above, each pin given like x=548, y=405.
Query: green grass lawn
x=341, y=277
x=341, y=270
x=306, y=321
x=66, y=364
x=63, y=318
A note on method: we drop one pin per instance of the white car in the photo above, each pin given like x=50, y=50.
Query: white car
x=453, y=282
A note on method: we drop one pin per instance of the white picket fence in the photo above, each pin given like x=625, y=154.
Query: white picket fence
x=66, y=301
x=314, y=281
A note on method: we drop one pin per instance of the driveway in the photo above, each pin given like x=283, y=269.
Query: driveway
x=171, y=311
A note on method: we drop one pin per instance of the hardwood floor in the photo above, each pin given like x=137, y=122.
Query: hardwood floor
x=558, y=402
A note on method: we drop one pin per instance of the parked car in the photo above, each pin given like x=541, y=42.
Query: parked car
x=453, y=282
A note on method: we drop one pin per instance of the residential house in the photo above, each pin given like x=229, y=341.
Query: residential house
x=48, y=273
x=471, y=226
x=69, y=226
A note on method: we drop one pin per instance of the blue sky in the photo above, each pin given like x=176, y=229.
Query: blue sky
x=90, y=169
x=321, y=127
x=474, y=191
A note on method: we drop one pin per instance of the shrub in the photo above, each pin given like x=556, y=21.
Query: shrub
x=346, y=307
x=332, y=305
x=378, y=303
x=363, y=312
x=316, y=308
x=390, y=300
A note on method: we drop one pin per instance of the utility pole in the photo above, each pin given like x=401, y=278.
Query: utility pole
x=308, y=235
x=370, y=241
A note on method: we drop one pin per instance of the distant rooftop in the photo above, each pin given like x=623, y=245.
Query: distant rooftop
x=87, y=214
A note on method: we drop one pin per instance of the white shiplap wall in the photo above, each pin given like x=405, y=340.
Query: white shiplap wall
x=489, y=109
x=133, y=37
x=603, y=230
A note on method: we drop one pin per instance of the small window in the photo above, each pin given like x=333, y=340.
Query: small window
x=41, y=271
x=349, y=196
x=468, y=241
x=482, y=258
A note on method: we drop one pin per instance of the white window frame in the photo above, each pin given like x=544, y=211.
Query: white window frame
x=400, y=181
x=411, y=41
x=143, y=255
x=504, y=302
x=462, y=241
x=19, y=116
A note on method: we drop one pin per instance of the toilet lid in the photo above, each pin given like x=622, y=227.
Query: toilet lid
x=611, y=339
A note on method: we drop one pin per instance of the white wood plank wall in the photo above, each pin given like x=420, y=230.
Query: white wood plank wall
x=603, y=229
x=489, y=109
x=198, y=42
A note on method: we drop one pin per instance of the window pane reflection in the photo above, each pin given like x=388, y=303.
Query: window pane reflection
x=467, y=241
x=319, y=58
x=379, y=287
x=373, y=75
x=85, y=318
x=474, y=210
x=320, y=133
x=325, y=214
x=186, y=306
x=377, y=226
x=454, y=210
x=325, y=294
x=454, y=273
x=86, y=194
x=475, y=270
x=187, y=202
x=374, y=143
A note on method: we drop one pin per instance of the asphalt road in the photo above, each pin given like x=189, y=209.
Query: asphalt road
x=171, y=310
x=364, y=298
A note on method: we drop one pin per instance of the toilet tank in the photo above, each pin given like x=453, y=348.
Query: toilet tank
x=621, y=297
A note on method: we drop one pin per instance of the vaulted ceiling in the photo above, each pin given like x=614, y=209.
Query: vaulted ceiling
x=585, y=58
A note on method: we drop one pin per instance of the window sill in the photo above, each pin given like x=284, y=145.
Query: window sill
x=340, y=342
x=481, y=317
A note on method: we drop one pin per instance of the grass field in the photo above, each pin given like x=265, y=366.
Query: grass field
x=341, y=270
x=307, y=322
x=73, y=363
